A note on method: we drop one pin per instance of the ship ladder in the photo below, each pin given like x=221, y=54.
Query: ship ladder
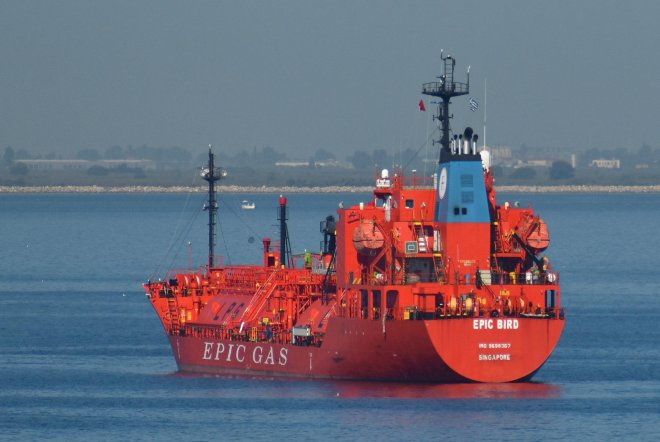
x=490, y=292
x=305, y=305
x=326, y=278
x=260, y=296
x=439, y=266
x=422, y=243
x=499, y=246
x=173, y=311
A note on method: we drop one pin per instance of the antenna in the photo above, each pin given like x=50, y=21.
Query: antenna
x=485, y=108
x=446, y=89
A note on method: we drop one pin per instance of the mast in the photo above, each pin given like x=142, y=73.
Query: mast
x=445, y=89
x=285, y=245
x=462, y=209
x=211, y=174
x=485, y=108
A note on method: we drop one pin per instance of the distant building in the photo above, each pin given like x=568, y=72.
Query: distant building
x=143, y=164
x=532, y=163
x=55, y=164
x=324, y=163
x=500, y=154
x=292, y=163
x=332, y=163
x=85, y=164
x=602, y=163
x=538, y=163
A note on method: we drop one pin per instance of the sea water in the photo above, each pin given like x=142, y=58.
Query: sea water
x=84, y=357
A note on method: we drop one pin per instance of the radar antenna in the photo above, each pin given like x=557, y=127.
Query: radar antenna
x=445, y=89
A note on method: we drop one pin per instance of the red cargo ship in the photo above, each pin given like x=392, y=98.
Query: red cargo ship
x=430, y=281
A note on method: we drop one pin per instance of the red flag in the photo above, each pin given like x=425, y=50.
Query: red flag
x=422, y=108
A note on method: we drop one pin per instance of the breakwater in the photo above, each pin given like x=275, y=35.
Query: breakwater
x=316, y=189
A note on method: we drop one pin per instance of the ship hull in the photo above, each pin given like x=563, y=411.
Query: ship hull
x=450, y=350
x=423, y=283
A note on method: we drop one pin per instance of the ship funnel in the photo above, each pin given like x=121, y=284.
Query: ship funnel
x=466, y=145
x=467, y=137
x=475, y=137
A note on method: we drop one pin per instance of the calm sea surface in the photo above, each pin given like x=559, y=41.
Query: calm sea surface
x=84, y=357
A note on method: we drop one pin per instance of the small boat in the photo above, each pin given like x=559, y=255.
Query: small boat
x=246, y=205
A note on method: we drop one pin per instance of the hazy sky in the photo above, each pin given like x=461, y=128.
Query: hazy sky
x=338, y=75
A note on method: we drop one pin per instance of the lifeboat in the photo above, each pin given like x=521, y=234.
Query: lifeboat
x=368, y=238
x=539, y=238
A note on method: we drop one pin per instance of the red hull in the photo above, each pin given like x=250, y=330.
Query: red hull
x=452, y=350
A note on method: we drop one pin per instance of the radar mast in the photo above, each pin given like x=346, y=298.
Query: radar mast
x=211, y=174
x=445, y=89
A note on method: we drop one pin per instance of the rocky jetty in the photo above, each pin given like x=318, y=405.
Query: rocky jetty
x=328, y=189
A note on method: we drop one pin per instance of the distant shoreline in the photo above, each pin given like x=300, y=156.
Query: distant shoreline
x=326, y=189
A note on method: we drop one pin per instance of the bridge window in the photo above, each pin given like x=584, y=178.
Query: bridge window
x=410, y=204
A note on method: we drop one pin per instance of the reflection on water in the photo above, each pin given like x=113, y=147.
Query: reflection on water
x=276, y=387
x=448, y=391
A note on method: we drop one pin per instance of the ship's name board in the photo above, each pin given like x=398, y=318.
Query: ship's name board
x=495, y=324
x=265, y=355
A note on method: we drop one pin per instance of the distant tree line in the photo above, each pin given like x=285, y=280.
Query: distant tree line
x=359, y=159
x=641, y=165
x=559, y=170
x=143, y=152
